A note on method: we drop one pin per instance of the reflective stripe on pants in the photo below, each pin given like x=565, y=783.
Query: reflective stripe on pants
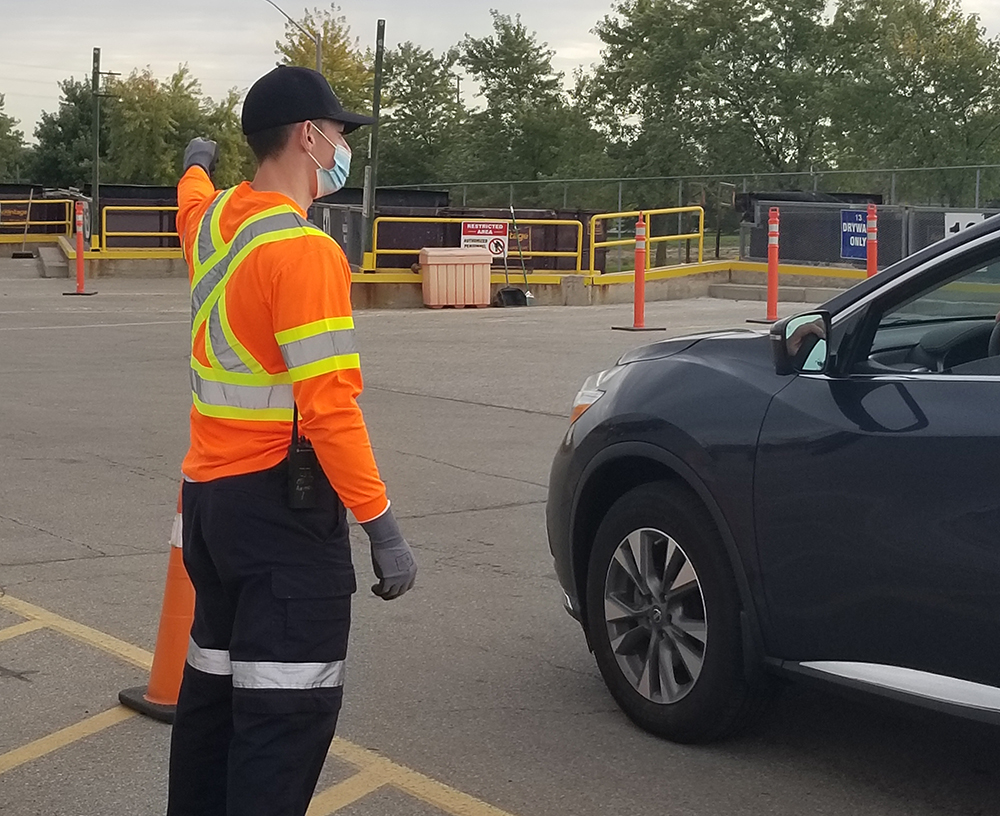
x=263, y=685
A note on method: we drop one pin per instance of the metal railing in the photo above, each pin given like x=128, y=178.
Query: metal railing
x=576, y=254
x=66, y=222
x=650, y=239
x=162, y=233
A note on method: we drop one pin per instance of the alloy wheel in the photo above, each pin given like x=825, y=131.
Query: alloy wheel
x=655, y=615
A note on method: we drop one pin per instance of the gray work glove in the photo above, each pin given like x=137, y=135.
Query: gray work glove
x=391, y=557
x=203, y=152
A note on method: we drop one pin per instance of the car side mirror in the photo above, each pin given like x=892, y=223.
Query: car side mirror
x=799, y=344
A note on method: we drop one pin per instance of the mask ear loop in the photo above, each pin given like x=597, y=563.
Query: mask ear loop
x=321, y=133
x=332, y=144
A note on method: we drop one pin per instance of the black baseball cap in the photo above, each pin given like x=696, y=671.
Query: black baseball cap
x=290, y=94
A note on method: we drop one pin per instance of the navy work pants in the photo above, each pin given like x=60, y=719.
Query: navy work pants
x=263, y=681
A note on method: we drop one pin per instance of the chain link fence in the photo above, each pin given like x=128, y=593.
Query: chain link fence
x=814, y=232
x=961, y=187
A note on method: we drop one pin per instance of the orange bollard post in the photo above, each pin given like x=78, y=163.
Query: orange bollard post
x=639, y=290
x=772, y=264
x=79, y=253
x=159, y=699
x=772, y=269
x=639, y=304
x=871, y=245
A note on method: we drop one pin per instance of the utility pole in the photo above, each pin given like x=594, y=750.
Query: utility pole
x=95, y=193
x=458, y=89
x=371, y=172
x=315, y=36
x=95, y=189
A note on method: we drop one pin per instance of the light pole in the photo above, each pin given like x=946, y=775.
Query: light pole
x=371, y=171
x=316, y=38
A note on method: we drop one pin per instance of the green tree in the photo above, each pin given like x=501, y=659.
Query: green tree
x=64, y=153
x=921, y=89
x=222, y=123
x=720, y=84
x=145, y=125
x=151, y=123
x=421, y=115
x=513, y=69
x=12, y=151
x=530, y=128
x=141, y=129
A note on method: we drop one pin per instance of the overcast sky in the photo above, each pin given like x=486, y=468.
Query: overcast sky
x=230, y=43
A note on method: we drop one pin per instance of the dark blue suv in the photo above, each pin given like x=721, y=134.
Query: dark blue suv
x=822, y=501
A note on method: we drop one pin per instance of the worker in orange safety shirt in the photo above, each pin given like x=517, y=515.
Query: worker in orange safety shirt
x=278, y=449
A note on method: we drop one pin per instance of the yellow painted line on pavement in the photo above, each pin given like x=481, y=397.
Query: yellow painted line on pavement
x=60, y=739
x=374, y=770
x=347, y=792
x=20, y=629
x=108, y=643
x=438, y=794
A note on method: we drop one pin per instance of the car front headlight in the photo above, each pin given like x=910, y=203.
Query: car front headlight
x=591, y=391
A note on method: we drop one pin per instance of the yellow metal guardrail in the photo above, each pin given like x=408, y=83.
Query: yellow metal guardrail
x=66, y=222
x=527, y=222
x=135, y=234
x=650, y=239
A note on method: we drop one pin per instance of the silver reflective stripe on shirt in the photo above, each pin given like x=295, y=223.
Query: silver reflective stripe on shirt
x=256, y=397
x=320, y=347
x=226, y=355
x=212, y=278
x=265, y=674
x=206, y=248
x=209, y=661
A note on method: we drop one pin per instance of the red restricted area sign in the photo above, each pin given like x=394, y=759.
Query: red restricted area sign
x=491, y=235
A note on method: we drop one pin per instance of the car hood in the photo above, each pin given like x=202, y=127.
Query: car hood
x=675, y=345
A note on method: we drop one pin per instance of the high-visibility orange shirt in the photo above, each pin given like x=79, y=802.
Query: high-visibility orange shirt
x=278, y=287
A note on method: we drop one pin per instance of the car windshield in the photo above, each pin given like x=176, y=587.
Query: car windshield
x=971, y=296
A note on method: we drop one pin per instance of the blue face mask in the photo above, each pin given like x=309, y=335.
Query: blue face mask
x=331, y=179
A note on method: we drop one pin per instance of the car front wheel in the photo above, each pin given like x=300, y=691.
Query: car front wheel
x=663, y=615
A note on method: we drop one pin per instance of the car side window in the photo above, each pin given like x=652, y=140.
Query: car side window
x=951, y=327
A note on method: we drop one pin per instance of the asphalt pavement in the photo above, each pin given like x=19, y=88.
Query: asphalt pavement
x=474, y=694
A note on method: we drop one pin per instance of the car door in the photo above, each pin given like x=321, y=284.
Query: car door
x=877, y=488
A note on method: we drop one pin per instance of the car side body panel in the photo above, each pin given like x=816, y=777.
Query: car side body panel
x=720, y=407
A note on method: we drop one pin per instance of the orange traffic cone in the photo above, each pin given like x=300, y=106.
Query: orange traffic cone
x=159, y=699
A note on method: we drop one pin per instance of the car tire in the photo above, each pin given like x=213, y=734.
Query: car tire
x=672, y=656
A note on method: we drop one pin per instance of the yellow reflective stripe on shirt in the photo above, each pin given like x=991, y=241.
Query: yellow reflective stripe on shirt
x=234, y=344
x=217, y=347
x=218, y=261
x=209, y=274
x=340, y=362
x=260, y=240
x=208, y=242
x=213, y=358
x=235, y=385
x=215, y=225
x=262, y=379
x=226, y=400
x=328, y=324
x=319, y=347
x=256, y=397
x=248, y=414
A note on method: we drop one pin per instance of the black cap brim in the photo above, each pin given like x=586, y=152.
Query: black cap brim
x=352, y=121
